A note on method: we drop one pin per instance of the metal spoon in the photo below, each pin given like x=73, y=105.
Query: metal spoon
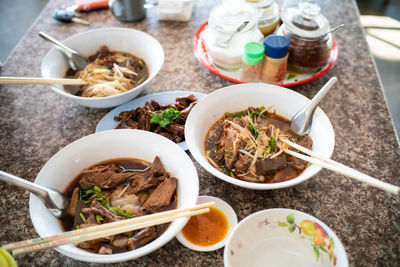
x=75, y=60
x=336, y=28
x=301, y=121
x=226, y=42
x=134, y=170
x=55, y=201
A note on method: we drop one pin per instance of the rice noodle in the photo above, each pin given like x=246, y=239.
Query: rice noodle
x=104, y=82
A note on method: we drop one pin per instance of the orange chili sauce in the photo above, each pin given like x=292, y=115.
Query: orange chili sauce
x=206, y=229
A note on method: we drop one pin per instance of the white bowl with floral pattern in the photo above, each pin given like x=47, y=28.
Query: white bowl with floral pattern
x=283, y=237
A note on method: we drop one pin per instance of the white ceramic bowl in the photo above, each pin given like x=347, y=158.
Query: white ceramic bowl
x=239, y=97
x=87, y=43
x=230, y=216
x=66, y=164
x=283, y=237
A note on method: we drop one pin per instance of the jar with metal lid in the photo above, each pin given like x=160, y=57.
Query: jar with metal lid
x=230, y=26
x=268, y=18
x=309, y=34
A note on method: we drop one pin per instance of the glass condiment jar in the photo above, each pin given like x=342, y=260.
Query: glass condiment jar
x=309, y=34
x=268, y=18
x=221, y=37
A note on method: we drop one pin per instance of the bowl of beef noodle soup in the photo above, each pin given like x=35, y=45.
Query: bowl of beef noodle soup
x=115, y=175
x=122, y=62
x=236, y=133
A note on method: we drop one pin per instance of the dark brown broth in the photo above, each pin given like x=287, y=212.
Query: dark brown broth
x=284, y=174
x=67, y=223
x=134, y=65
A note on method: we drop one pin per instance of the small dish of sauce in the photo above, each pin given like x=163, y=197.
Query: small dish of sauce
x=208, y=231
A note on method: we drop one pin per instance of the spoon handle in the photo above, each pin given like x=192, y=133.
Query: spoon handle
x=24, y=184
x=321, y=94
x=64, y=49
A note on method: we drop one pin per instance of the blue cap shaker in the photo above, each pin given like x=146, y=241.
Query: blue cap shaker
x=276, y=46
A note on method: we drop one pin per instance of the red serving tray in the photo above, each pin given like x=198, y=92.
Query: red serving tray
x=201, y=53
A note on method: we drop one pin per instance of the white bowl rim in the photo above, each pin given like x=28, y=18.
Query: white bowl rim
x=106, y=29
x=255, y=186
x=231, y=216
x=118, y=257
x=338, y=244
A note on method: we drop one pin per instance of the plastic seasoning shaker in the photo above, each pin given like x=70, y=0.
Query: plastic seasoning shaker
x=275, y=60
x=252, y=62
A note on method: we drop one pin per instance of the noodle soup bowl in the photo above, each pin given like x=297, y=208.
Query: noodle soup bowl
x=239, y=97
x=137, y=43
x=66, y=164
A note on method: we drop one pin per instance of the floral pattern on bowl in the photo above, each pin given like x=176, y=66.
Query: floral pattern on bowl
x=283, y=237
x=313, y=231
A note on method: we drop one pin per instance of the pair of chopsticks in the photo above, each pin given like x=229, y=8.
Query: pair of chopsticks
x=35, y=80
x=104, y=230
x=332, y=165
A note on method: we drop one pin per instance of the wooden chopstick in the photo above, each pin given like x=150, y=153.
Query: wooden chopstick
x=129, y=222
x=339, y=168
x=106, y=232
x=37, y=80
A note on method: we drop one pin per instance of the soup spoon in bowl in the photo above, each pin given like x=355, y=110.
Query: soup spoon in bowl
x=56, y=202
x=75, y=60
x=301, y=121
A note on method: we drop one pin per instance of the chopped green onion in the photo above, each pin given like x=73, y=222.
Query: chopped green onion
x=125, y=53
x=103, y=68
x=140, y=80
x=268, y=150
x=226, y=171
x=229, y=172
x=208, y=152
x=272, y=143
x=141, y=63
x=82, y=217
x=309, y=164
x=99, y=218
x=253, y=129
x=128, y=214
x=235, y=115
x=130, y=235
x=257, y=113
x=291, y=76
x=78, y=227
x=96, y=189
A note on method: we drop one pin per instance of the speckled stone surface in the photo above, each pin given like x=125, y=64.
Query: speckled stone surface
x=35, y=123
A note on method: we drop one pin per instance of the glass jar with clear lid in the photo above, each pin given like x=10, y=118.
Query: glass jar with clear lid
x=309, y=34
x=268, y=18
x=230, y=26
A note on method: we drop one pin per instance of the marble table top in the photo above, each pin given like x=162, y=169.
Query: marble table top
x=35, y=123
